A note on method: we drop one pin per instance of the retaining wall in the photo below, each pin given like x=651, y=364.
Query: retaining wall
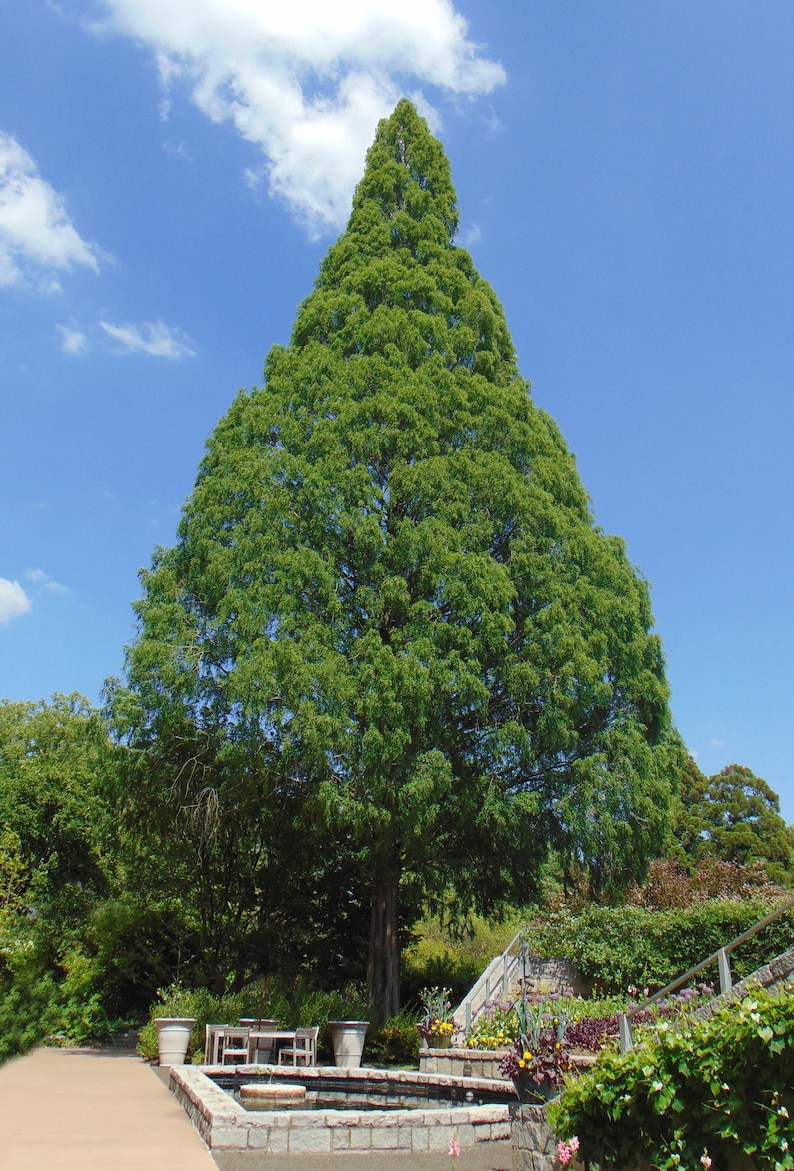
x=226, y=1126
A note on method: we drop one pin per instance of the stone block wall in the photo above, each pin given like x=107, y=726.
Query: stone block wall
x=555, y=974
x=534, y=1145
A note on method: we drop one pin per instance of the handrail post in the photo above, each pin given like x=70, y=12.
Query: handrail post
x=624, y=1028
x=723, y=960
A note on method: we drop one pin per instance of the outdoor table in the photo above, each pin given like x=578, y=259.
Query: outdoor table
x=270, y=1037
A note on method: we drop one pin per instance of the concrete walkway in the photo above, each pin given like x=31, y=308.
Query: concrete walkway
x=76, y=1110
x=86, y=1110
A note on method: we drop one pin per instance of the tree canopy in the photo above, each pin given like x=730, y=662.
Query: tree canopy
x=733, y=816
x=389, y=612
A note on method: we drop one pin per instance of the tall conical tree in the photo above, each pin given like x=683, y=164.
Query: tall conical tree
x=388, y=590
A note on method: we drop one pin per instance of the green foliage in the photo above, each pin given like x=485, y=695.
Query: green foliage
x=719, y=1088
x=389, y=616
x=395, y=1043
x=58, y=847
x=733, y=816
x=292, y=1003
x=620, y=946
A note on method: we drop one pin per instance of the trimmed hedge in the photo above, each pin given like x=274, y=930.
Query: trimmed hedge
x=616, y=947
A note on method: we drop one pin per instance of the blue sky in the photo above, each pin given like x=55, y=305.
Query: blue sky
x=172, y=174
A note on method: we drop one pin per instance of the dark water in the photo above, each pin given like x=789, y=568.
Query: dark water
x=322, y=1095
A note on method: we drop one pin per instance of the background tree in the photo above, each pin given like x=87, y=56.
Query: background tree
x=389, y=613
x=733, y=816
x=57, y=866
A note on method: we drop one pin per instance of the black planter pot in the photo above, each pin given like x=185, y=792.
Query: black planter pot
x=532, y=1092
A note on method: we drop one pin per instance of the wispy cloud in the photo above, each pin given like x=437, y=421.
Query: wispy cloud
x=14, y=602
x=35, y=229
x=39, y=577
x=151, y=337
x=307, y=81
x=469, y=236
x=73, y=341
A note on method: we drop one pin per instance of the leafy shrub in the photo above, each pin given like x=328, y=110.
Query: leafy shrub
x=669, y=884
x=692, y=1092
x=293, y=1004
x=455, y=960
x=618, y=946
x=395, y=1044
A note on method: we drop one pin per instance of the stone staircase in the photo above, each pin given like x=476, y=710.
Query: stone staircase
x=501, y=980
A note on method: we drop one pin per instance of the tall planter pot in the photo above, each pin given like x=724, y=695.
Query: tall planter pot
x=173, y=1038
x=347, y=1038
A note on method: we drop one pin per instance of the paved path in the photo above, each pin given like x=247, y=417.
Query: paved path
x=72, y=1110
x=78, y=1110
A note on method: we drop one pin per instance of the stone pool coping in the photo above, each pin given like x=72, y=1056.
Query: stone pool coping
x=225, y=1125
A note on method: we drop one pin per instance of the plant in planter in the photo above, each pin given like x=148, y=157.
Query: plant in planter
x=436, y=1026
x=540, y=1054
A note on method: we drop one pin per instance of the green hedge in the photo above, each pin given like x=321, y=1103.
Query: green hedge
x=616, y=947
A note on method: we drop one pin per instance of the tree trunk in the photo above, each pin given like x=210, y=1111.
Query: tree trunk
x=383, y=961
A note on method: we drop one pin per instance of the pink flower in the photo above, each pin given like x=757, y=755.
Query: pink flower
x=566, y=1151
x=705, y=1159
x=454, y=1149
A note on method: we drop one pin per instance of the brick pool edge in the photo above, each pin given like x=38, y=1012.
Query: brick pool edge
x=225, y=1125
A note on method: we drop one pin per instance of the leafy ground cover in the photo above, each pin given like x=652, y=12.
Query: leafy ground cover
x=585, y=1023
x=691, y=1093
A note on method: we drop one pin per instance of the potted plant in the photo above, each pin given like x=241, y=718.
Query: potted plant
x=173, y=1038
x=436, y=1026
x=540, y=1055
x=347, y=1038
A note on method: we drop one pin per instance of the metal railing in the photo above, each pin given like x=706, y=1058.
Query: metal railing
x=494, y=982
x=722, y=956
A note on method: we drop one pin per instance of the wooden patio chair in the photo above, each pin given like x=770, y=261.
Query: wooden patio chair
x=235, y=1046
x=213, y=1043
x=303, y=1051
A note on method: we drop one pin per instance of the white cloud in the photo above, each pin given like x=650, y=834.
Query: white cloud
x=307, y=80
x=469, y=236
x=34, y=225
x=152, y=337
x=14, y=602
x=73, y=341
x=41, y=578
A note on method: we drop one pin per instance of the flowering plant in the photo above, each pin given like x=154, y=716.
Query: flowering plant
x=540, y=1052
x=436, y=1013
x=566, y=1152
x=495, y=1026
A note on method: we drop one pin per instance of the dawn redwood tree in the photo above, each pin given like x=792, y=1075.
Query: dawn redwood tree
x=388, y=593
